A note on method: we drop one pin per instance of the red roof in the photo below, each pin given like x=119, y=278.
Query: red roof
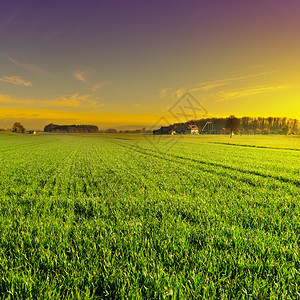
x=193, y=127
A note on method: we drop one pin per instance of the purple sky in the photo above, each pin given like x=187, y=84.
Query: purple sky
x=125, y=54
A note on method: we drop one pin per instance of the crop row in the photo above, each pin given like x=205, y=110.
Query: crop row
x=124, y=218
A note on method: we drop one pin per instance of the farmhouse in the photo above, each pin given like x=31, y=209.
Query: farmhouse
x=192, y=129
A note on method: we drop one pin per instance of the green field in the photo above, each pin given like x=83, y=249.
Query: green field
x=124, y=217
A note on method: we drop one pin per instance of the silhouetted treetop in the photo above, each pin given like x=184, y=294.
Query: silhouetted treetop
x=71, y=128
x=18, y=128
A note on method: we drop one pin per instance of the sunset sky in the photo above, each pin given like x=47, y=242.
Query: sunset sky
x=117, y=63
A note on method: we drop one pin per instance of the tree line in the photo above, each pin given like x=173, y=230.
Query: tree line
x=232, y=124
x=244, y=125
x=71, y=128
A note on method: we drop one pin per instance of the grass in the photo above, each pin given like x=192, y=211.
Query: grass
x=124, y=217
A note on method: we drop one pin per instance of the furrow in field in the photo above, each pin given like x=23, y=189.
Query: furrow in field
x=107, y=218
x=281, y=178
x=253, y=146
x=173, y=158
x=204, y=180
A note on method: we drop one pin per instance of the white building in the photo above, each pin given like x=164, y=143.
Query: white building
x=192, y=129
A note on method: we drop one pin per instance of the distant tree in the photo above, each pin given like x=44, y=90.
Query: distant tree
x=266, y=131
x=286, y=130
x=255, y=124
x=49, y=128
x=18, y=128
x=232, y=124
x=257, y=131
x=242, y=131
x=245, y=122
x=270, y=120
x=295, y=126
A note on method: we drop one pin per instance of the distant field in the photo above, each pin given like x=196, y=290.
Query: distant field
x=128, y=217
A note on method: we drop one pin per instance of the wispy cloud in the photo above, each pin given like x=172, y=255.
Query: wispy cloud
x=73, y=100
x=9, y=19
x=80, y=101
x=79, y=76
x=164, y=93
x=136, y=105
x=242, y=93
x=82, y=74
x=211, y=84
x=30, y=67
x=253, y=67
x=53, y=33
x=208, y=86
x=15, y=80
x=8, y=99
x=100, y=85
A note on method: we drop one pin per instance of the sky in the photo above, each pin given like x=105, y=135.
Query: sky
x=128, y=62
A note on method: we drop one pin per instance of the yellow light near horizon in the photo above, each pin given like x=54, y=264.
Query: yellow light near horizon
x=78, y=117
